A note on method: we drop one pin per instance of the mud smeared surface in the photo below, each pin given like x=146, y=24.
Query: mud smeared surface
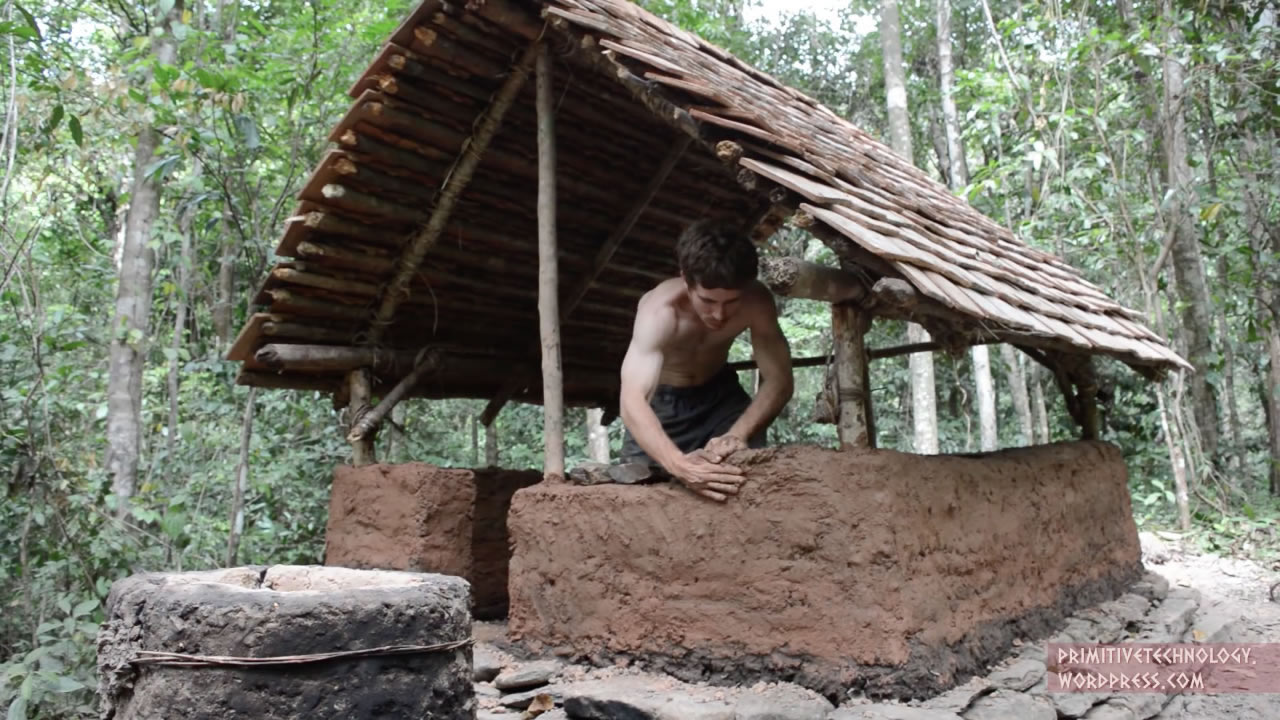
x=891, y=573
x=271, y=612
x=423, y=518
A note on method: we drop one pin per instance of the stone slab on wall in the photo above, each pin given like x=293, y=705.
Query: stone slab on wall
x=423, y=518
x=892, y=573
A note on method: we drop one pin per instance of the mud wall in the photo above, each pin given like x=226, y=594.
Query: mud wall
x=423, y=518
x=892, y=573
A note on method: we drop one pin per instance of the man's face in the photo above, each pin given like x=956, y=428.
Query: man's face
x=714, y=306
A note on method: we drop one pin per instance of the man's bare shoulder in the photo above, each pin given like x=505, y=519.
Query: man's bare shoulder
x=656, y=311
x=760, y=300
x=661, y=300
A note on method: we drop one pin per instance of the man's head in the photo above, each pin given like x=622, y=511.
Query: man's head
x=717, y=262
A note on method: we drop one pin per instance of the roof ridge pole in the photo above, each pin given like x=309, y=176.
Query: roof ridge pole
x=469, y=159
x=549, y=276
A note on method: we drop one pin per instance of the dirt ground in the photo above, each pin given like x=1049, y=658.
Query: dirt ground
x=1231, y=585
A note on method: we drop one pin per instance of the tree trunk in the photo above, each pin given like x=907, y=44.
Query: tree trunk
x=989, y=438
x=959, y=176
x=225, y=299
x=1178, y=461
x=1038, y=406
x=475, y=441
x=1273, y=404
x=242, y=481
x=894, y=82
x=179, y=329
x=1229, y=377
x=950, y=118
x=924, y=404
x=1018, y=388
x=1188, y=266
x=491, y=445
x=129, y=327
x=397, y=443
x=597, y=436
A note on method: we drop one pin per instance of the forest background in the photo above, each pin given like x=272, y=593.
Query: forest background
x=151, y=152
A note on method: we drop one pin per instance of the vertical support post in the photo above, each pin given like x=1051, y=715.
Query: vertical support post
x=867, y=409
x=549, y=276
x=849, y=324
x=359, y=404
x=1087, y=392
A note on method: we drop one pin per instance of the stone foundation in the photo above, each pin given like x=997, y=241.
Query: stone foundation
x=423, y=518
x=894, y=574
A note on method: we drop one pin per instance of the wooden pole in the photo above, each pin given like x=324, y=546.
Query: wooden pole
x=472, y=152
x=849, y=325
x=549, y=276
x=359, y=385
x=603, y=256
x=1087, y=390
x=367, y=424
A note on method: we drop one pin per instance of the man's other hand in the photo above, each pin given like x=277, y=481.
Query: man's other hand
x=719, y=448
x=708, y=478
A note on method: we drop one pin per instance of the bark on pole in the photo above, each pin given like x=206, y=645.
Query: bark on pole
x=549, y=276
x=1188, y=265
x=796, y=278
x=849, y=326
x=360, y=394
x=133, y=308
x=364, y=426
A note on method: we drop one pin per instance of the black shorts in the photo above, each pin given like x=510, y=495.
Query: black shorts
x=692, y=415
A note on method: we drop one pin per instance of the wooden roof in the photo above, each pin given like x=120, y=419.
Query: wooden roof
x=632, y=89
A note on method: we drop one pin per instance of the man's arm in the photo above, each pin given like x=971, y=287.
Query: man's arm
x=641, y=368
x=772, y=354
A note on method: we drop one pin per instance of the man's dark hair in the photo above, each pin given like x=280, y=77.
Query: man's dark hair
x=717, y=254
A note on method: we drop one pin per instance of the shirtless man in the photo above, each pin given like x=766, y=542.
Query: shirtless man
x=682, y=406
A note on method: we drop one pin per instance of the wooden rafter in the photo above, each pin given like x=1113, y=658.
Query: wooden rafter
x=469, y=160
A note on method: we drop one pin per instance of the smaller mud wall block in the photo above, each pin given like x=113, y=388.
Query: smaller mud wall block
x=285, y=611
x=422, y=518
x=892, y=573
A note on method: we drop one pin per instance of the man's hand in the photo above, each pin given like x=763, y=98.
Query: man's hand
x=708, y=478
x=719, y=448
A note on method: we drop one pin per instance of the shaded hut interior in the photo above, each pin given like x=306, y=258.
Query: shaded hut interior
x=655, y=128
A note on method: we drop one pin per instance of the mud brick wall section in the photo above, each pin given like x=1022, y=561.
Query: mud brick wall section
x=424, y=518
x=892, y=573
